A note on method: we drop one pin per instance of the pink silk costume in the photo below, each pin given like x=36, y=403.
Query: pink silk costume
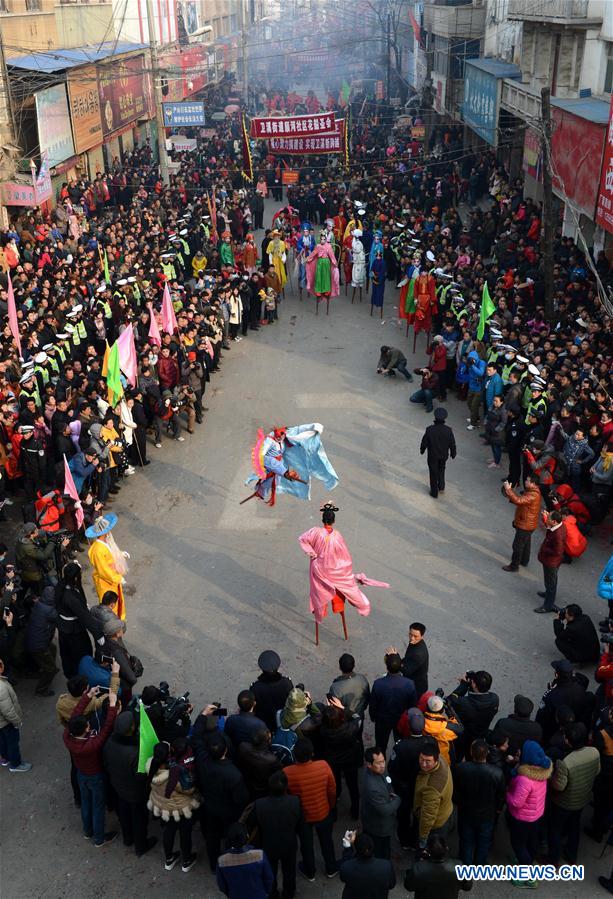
x=331, y=573
x=322, y=249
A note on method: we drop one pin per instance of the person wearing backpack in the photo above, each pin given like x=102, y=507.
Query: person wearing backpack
x=278, y=817
x=297, y=718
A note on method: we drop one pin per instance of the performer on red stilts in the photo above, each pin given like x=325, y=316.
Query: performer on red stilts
x=331, y=572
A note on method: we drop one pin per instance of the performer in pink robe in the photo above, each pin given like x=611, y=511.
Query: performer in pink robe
x=331, y=571
x=322, y=250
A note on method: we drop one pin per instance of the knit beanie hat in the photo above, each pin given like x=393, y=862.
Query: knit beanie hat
x=295, y=709
x=534, y=754
x=523, y=706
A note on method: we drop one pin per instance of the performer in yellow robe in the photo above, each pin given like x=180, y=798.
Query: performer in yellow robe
x=107, y=560
x=277, y=253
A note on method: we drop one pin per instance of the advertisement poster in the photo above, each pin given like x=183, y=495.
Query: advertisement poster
x=54, y=131
x=124, y=91
x=604, y=203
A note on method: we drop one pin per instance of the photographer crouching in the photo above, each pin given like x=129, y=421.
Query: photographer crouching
x=576, y=636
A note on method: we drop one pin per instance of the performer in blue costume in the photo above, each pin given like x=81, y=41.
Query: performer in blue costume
x=377, y=245
x=286, y=459
x=304, y=247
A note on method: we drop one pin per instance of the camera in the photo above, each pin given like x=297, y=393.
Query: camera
x=606, y=639
x=174, y=707
x=470, y=675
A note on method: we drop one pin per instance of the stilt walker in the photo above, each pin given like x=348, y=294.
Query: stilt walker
x=358, y=269
x=331, y=572
x=322, y=273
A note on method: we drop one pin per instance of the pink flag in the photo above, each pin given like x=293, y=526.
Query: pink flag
x=169, y=319
x=127, y=355
x=13, y=323
x=71, y=490
x=154, y=331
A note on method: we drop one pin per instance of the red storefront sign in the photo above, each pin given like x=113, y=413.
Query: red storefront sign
x=576, y=150
x=294, y=126
x=185, y=72
x=125, y=93
x=604, y=206
x=333, y=142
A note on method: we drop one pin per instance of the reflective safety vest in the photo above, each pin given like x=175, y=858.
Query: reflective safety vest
x=106, y=309
x=82, y=330
x=43, y=372
x=31, y=393
x=539, y=405
x=62, y=353
x=506, y=371
x=169, y=271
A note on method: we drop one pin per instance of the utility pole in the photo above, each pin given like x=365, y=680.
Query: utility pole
x=548, y=227
x=389, y=57
x=157, y=96
x=243, y=13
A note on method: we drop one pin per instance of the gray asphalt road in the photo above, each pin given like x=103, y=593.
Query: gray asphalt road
x=217, y=582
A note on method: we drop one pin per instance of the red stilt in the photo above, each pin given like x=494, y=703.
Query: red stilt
x=344, y=625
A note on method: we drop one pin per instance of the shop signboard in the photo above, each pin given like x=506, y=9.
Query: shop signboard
x=184, y=115
x=480, y=107
x=85, y=109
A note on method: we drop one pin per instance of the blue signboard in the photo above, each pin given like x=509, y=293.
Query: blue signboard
x=480, y=108
x=179, y=115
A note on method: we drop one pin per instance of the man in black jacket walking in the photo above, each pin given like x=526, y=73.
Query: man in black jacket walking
x=120, y=758
x=479, y=792
x=439, y=442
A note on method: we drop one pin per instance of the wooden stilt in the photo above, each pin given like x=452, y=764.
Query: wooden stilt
x=360, y=294
x=316, y=305
x=327, y=305
x=316, y=633
x=344, y=625
x=352, y=296
x=381, y=316
x=414, y=338
x=371, y=309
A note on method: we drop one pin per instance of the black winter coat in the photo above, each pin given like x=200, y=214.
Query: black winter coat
x=518, y=730
x=41, y=625
x=271, y=691
x=223, y=789
x=403, y=766
x=257, y=765
x=475, y=710
x=366, y=878
x=439, y=442
x=578, y=641
x=415, y=666
x=478, y=791
x=341, y=746
x=278, y=818
x=120, y=758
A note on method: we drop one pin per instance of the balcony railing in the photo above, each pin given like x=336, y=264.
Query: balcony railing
x=462, y=22
x=562, y=11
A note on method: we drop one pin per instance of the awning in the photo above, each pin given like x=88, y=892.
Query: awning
x=47, y=61
x=589, y=108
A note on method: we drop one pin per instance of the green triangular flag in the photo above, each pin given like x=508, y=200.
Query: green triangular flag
x=113, y=377
x=409, y=303
x=146, y=741
x=487, y=310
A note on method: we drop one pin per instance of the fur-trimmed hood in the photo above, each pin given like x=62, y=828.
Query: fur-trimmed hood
x=534, y=772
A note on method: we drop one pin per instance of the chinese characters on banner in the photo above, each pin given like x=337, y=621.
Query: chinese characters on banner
x=321, y=143
x=183, y=114
x=480, y=107
x=85, y=109
x=604, y=205
x=124, y=91
x=281, y=126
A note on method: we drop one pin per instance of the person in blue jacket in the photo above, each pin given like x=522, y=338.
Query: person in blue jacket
x=476, y=372
x=605, y=590
x=493, y=385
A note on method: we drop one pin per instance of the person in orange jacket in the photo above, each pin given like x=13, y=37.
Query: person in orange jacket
x=442, y=728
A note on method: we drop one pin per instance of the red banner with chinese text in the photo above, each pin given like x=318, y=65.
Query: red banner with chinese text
x=292, y=126
x=333, y=142
x=604, y=203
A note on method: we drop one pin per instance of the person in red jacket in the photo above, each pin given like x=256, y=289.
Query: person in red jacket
x=168, y=370
x=85, y=747
x=438, y=364
x=314, y=783
x=550, y=556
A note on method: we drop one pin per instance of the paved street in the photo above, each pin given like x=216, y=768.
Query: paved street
x=217, y=582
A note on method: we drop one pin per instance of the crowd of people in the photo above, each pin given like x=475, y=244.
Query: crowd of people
x=268, y=777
